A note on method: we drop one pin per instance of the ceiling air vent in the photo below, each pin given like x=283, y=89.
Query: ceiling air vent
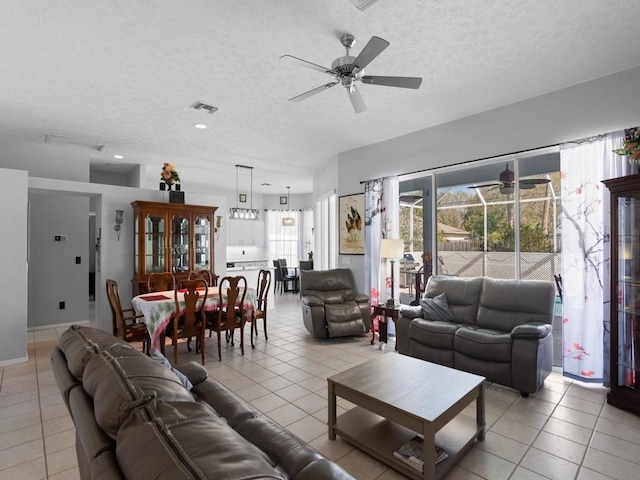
x=56, y=140
x=203, y=106
x=362, y=5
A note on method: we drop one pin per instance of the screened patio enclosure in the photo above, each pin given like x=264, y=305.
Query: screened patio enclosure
x=497, y=218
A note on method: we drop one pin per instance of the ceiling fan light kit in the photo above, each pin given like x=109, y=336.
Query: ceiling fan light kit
x=347, y=69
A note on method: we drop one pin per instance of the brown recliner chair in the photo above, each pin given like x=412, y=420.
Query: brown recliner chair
x=330, y=305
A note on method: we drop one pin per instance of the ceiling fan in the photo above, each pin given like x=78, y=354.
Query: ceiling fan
x=347, y=70
x=506, y=182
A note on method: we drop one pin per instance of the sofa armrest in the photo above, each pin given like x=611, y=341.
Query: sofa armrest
x=531, y=330
x=312, y=301
x=410, y=311
x=361, y=298
x=195, y=372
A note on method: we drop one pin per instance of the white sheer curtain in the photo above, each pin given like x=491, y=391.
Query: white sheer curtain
x=305, y=233
x=585, y=253
x=381, y=212
x=283, y=241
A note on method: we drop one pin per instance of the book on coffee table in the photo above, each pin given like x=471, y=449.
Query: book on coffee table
x=411, y=453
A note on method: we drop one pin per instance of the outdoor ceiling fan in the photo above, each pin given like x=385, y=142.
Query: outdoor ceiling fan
x=506, y=182
x=347, y=70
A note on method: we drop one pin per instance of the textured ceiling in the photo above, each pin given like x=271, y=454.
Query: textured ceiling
x=123, y=73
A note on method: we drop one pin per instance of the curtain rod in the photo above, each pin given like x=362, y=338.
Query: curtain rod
x=466, y=162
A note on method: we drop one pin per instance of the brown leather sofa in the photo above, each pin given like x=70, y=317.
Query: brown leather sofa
x=500, y=329
x=134, y=419
x=331, y=307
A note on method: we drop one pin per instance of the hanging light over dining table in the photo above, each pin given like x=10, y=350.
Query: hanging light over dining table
x=288, y=221
x=240, y=213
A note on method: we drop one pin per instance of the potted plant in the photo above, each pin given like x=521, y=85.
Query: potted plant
x=631, y=146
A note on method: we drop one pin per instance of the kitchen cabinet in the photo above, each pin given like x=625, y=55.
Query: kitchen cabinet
x=246, y=233
x=171, y=237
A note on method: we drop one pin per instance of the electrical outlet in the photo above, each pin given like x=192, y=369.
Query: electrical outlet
x=78, y=260
x=62, y=306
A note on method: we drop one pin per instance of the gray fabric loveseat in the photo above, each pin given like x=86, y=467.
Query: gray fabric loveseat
x=500, y=329
x=331, y=306
x=135, y=419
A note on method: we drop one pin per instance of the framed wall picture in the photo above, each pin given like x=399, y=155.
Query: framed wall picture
x=242, y=198
x=351, y=224
x=283, y=200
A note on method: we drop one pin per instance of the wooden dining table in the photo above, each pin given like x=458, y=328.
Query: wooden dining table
x=159, y=307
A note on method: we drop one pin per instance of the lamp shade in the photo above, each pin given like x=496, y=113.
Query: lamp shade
x=391, y=248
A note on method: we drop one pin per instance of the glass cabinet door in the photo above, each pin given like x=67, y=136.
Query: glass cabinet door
x=179, y=244
x=202, y=235
x=154, y=240
x=628, y=363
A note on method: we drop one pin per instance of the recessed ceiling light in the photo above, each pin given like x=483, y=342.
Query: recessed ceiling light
x=201, y=126
x=119, y=157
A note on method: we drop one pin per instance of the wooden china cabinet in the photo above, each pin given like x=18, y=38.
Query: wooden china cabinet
x=624, y=368
x=171, y=237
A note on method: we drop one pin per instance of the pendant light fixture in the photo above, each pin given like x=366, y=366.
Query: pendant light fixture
x=288, y=221
x=244, y=213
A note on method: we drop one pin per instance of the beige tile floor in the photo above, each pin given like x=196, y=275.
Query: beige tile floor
x=565, y=431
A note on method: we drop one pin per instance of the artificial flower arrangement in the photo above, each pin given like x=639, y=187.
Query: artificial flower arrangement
x=169, y=174
x=631, y=147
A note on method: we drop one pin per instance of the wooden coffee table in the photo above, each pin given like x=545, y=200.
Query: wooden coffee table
x=399, y=396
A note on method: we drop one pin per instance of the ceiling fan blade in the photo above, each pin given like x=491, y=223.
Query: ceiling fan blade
x=310, y=93
x=371, y=50
x=534, y=181
x=483, y=185
x=527, y=186
x=402, y=82
x=306, y=64
x=356, y=99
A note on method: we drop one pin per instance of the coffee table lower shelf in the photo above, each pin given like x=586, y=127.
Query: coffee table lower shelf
x=379, y=437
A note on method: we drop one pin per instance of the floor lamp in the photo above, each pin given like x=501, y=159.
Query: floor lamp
x=391, y=248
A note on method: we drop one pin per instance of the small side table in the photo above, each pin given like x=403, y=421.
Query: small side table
x=383, y=313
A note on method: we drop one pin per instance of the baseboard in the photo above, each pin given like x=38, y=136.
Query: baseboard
x=58, y=325
x=14, y=361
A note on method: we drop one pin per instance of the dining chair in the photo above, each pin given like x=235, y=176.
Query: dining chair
x=192, y=322
x=290, y=274
x=161, y=282
x=125, y=323
x=210, y=277
x=279, y=279
x=264, y=283
x=231, y=314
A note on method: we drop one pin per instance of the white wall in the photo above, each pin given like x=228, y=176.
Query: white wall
x=62, y=162
x=54, y=276
x=603, y=105
x=13, y=281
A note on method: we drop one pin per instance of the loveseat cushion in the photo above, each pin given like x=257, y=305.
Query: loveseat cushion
x=120, y=379
x=286, y=451
x=463, y=295
x=433, y=333
x=184, y=440
x=505, y=304
x=483, y=344
x=79, y=344
x=225, y=403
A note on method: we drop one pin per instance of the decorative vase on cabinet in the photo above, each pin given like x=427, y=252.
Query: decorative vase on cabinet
x=624, y=368
x=174, y=238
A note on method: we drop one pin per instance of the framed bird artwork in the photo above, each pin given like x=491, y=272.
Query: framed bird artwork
x=351, y=224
